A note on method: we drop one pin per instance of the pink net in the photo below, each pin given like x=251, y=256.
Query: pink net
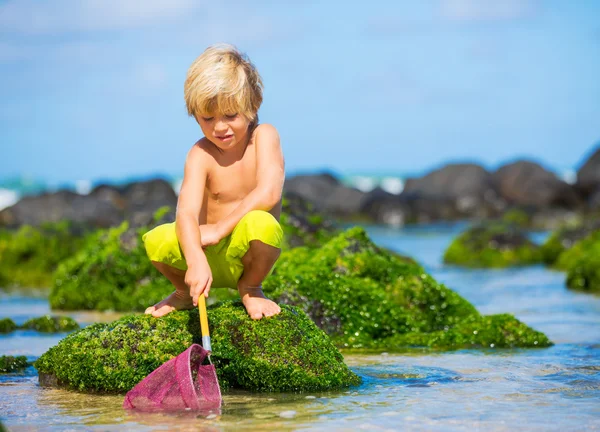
x=181, y=383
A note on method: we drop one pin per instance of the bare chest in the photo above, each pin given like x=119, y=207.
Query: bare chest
x=232, y=182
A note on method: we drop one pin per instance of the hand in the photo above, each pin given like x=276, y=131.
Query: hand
x=209, y=234
x=199, y=278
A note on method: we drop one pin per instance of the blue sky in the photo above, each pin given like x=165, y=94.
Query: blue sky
x=94, y=88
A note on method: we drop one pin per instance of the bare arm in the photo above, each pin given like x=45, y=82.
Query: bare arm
x=270, y=176
x=189, y=204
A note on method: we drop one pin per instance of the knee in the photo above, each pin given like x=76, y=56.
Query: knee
x=259, y=218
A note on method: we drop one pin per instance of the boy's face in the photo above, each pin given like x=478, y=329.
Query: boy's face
x=225, y=131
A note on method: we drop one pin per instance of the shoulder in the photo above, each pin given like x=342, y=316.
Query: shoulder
x=201, y=149
x=266, y=133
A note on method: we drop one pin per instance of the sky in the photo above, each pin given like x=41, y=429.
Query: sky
x=94, y=88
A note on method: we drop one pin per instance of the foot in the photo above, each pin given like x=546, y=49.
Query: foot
x=178, y=300
x=257, y=305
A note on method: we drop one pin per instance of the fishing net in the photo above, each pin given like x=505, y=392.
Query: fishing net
x=181, y=383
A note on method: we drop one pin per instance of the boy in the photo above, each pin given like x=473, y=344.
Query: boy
x=226, y=232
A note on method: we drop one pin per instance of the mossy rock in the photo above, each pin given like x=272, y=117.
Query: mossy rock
x=30, y=255
x=563, y=240
x=112, y=272
x=10, y=364
x=283, y=353
x=364, y=296
x=580, y=244
x=582, y=263
x=51, y=324
x=303, y=225
x=493, y=246
x=491, y=331
x=7, y=325
x=518, y=217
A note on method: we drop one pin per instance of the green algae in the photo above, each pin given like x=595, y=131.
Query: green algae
x=10, y=364
x=283, y=353
x=112, y=272
x=491, y=331
x=29, y=256
x=492, y=246
x=303, y=224
x=364, y=296
x=582, y=263
x=7, y=325
x=563, y=240
x=518, y=217
x=51, y=324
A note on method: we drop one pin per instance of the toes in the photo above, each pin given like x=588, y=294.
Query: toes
x=256, y=315
x=149, y=310
x=162, y=311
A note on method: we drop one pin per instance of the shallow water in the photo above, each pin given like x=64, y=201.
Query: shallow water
x=556, y=388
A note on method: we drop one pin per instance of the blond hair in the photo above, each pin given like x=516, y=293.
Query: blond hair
x=222, y=80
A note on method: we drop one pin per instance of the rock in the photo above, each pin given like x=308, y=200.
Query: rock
x=327, y=193
x=283, y=353
x=7, y=325
x=584, y=274
x=58, y=207
x=303, y=224
x=594, y=200
x=105, y=206
x=461, y=190
x=51, y=324
x=10, y=364
x=143, y=199
x=564, y=239
x=492, y=245
x=526, y=183
x=365, y=297
x=588, y=176
x=582, y=243
x=385, y=208
x=112, y=272
x=29, y=256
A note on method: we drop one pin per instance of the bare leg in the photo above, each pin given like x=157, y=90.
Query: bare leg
x=257, y=263
x=179, y=300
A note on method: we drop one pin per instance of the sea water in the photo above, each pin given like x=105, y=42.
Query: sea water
x=556, y=388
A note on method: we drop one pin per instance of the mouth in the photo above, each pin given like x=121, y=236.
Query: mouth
x=225, y=137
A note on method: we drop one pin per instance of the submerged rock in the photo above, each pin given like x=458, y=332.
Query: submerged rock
x=493, y=245
x=51, y=324
x=283, y=353
x=7, y=325
x=364, y=296
x=10, y=364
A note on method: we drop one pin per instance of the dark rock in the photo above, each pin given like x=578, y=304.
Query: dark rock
x=327, y=193
x=453, y=191
x=302, y=224
x=526, y=183
x=144, y=198
x=60, y=206
x=385, y=208
x=588, y=176
x=104, y=207
x=594, y=200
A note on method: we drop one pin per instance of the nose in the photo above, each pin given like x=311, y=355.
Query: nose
x=221, y=125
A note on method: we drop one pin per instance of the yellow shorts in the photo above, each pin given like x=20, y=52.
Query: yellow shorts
x=224, y=258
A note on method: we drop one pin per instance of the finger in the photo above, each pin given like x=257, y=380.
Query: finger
x=195, y=294
x=207, y=287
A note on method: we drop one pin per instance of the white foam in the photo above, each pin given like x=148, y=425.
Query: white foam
x=83, y=187
x=393, y=185
x=7, y=198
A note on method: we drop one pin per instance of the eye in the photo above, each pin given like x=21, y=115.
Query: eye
x=231, y=116
x=207, y=118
